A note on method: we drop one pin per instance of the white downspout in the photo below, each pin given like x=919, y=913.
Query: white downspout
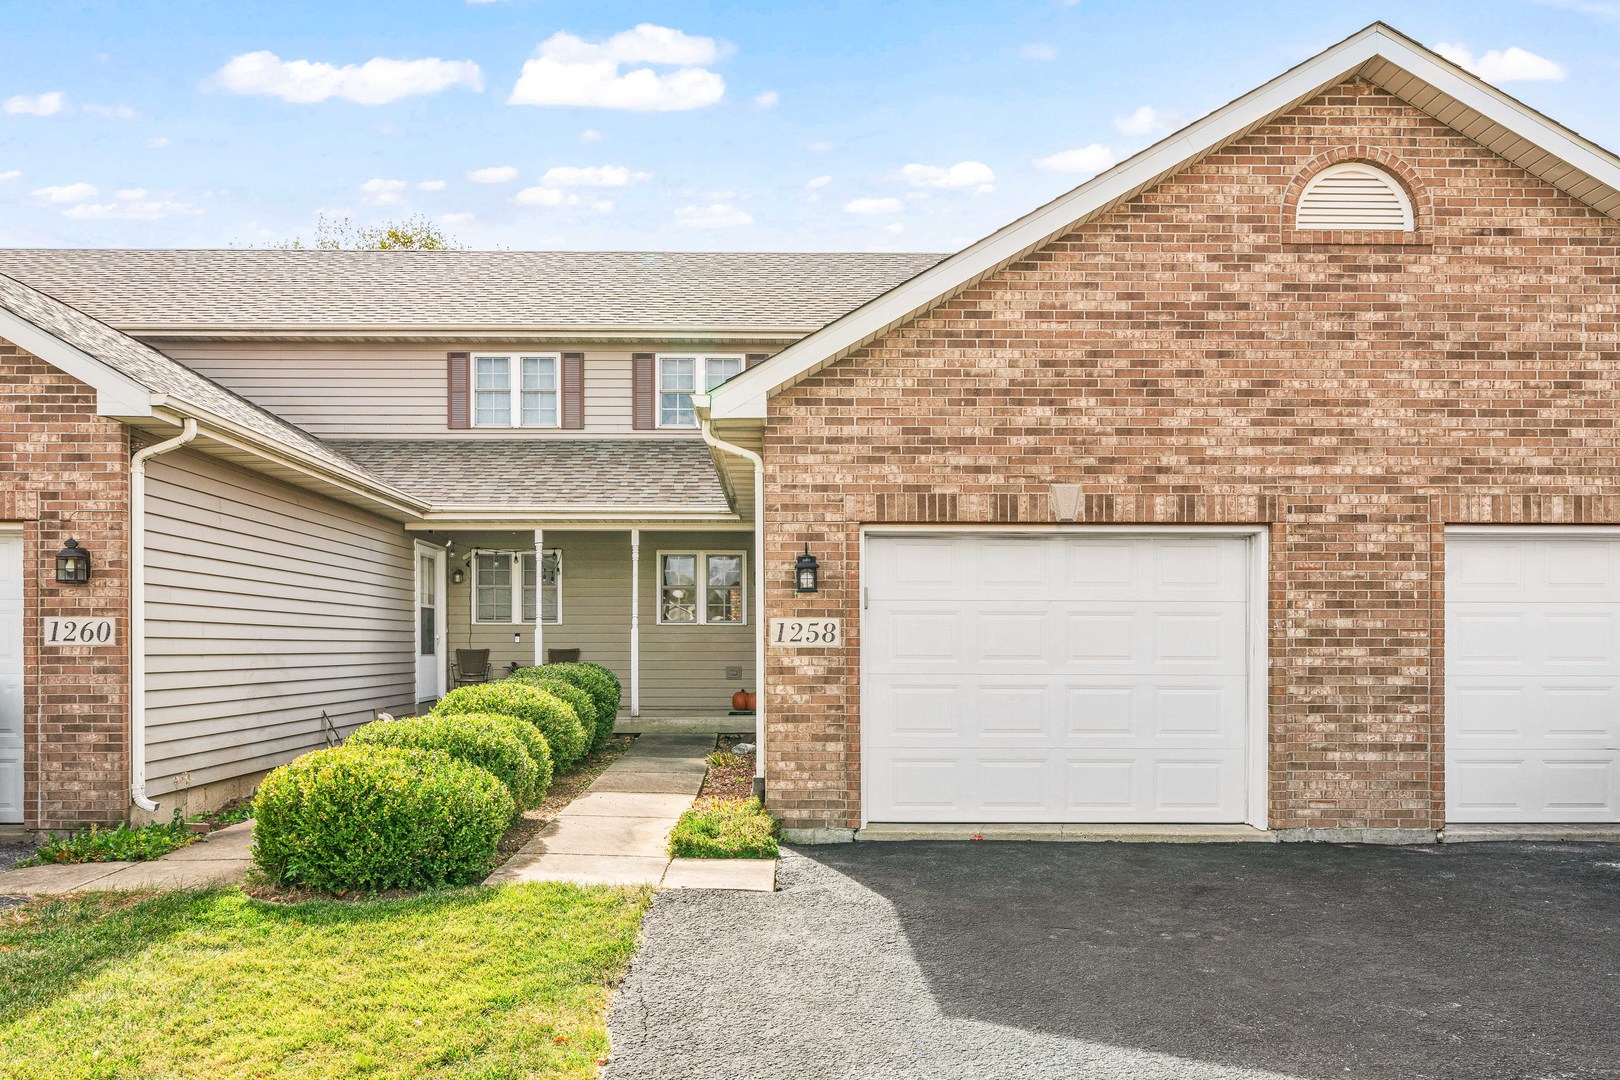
x=137, y=609
x=635, y=622
x=701, y=403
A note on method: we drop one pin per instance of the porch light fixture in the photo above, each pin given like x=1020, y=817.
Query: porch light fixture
x=458, y=575
x=72, y=564
x=807, y=572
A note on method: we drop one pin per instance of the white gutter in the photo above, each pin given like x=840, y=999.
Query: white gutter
x=700, y=404
x=137, y=609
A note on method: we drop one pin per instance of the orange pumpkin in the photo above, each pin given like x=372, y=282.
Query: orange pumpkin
x=752, y=699
x=739, y=700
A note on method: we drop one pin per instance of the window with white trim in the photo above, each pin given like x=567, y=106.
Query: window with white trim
x=516, y=390
x=702, y=587
x=1354, y=196
x=503, y=587
x=679, y=377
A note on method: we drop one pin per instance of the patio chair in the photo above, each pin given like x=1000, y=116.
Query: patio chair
x=562, y=656
x=470, y=666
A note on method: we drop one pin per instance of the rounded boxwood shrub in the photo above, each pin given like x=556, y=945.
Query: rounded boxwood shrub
x=582, y=703
x=483, y=739
x=378, y=817
x=594, y=679
x=556, y=721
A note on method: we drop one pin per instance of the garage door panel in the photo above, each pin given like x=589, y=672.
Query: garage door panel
x=1532, y=679
x=1092, y=679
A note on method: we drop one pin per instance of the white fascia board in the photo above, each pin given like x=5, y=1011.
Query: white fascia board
x=745, y=396
x=117, y=395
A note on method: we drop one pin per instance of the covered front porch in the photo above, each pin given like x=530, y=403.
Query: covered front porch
x=666, y=606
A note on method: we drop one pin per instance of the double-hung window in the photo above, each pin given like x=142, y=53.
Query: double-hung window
x=505, y=589
x=516, y=390
x=698, y=587
x=679, y=377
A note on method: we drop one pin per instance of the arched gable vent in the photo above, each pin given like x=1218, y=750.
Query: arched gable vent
x=1354, y=196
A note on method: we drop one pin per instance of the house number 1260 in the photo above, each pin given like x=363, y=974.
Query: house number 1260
x=806, y=633
x=80, y=632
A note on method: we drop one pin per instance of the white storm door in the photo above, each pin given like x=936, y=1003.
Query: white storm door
x=430, y=621
x=11, y=680
x=1056, y=678
x=1532, y=677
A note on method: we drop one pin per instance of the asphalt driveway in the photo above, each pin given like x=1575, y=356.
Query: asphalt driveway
x=1125, y=961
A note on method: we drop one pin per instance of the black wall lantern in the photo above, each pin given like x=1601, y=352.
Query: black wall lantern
x=72, y=564
x=806, y=571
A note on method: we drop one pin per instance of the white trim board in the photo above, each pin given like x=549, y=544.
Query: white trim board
x=1429, y=82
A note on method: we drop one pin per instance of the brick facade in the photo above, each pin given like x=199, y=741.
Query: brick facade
x=1189, y=358
x=67, y=475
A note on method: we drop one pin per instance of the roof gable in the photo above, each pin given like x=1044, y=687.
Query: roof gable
x=1378, y=54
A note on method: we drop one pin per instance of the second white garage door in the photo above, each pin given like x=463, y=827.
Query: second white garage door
x=1532, y=677
x=1056, y=678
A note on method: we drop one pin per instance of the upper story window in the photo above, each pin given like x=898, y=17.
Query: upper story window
x=515, y=390
x=679, y=377
x=1354, y=196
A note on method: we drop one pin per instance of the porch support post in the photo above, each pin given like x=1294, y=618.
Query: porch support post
x=539, y=596
x=635, y=622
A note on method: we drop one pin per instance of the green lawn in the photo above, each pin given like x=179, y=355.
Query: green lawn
x=487, y=983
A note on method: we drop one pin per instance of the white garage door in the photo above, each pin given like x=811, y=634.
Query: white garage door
x=11, y=674
x=1047, y=678
x=1532, y=678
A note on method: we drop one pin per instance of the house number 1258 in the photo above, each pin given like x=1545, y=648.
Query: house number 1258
x=806, y=633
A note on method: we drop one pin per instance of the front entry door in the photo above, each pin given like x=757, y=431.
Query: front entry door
x=430, y=668
x=11, y=681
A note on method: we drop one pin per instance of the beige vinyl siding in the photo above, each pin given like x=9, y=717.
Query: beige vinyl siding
x=265, y=606
x=356, y=390
x=683, y=668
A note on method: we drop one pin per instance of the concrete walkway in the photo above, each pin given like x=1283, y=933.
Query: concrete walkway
x=616, y=833
x=221, y=858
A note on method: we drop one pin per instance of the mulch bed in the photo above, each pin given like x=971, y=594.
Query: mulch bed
x=732, y=780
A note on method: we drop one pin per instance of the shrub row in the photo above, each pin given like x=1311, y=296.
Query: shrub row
x=423, y=801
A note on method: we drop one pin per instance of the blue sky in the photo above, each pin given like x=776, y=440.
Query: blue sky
x=701, y=126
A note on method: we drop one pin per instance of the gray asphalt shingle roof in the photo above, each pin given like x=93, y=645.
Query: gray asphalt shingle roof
x=153, y=370
x=550, y=474
x=444, y=290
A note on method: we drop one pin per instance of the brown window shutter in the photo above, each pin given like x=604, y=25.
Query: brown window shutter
x=458, y=409
x=643, y=392
x=573, y=390
x=756, y=358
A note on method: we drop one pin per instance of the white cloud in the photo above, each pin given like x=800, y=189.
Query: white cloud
x=9, y=175
x=817, y=182
x=459, y=218
x=590, y=135
x=495, y=174
x=67, y=193
x=1512, y=64
x=894, y=227
x=375, y=82
x=1038, y=51
x=713, y=216
x=157, y=142
x=818, y=146
x=591, y=176
x=1147, y=120
x=431, y=185
x=541, y=196
x=380, y=192
x=34, y=104
x=567, y=70
x=130, y=193
x=116, y=112
x=130, y=207
x=768, y=100
x=1085, y=159
x=974, y=174
x=602, y=206
x=872, y=206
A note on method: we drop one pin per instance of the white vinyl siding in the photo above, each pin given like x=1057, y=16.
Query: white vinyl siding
x=679, y=377
x=266, y=607
x=503, y=587
x=515, y=391
x=1354, y=196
